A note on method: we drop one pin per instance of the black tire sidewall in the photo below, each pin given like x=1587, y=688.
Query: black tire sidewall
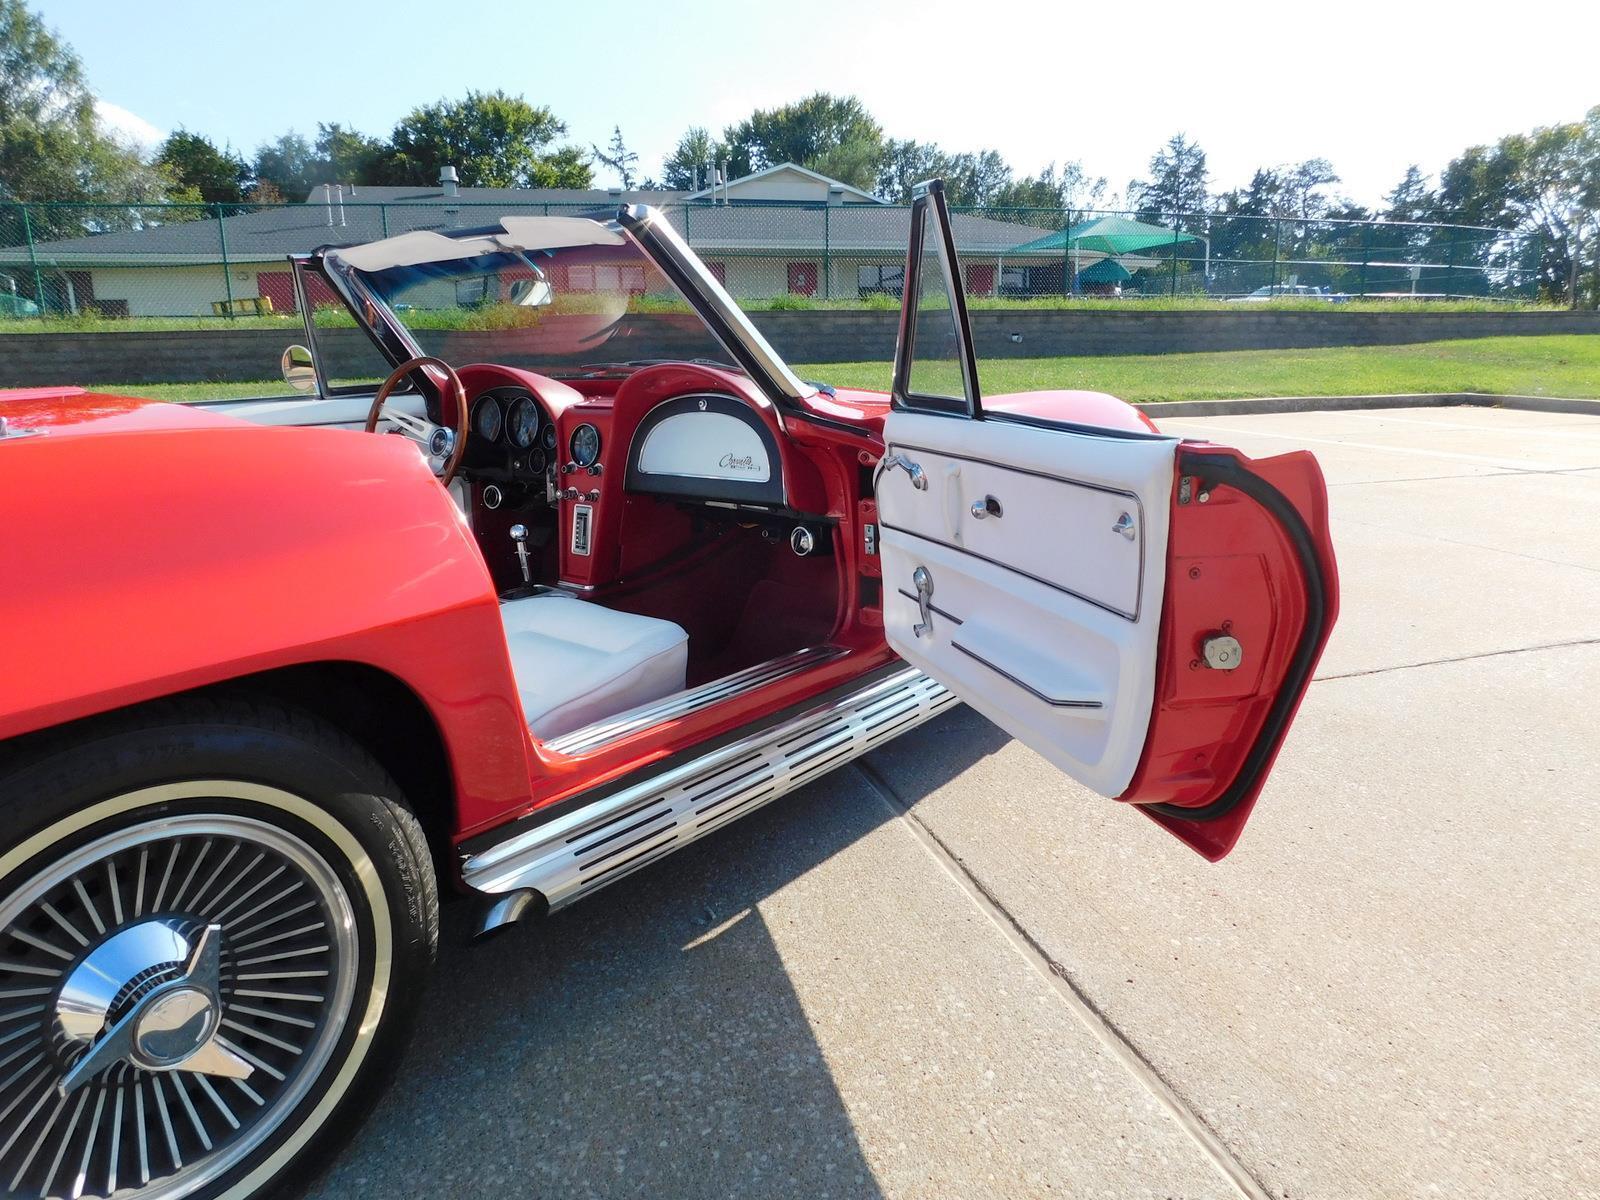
x=289, y=753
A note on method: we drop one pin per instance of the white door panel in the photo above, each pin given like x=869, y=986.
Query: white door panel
x=1045, y=617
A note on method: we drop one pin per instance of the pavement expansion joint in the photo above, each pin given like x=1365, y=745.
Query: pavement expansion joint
x=1056, y=975
x=1440, y=662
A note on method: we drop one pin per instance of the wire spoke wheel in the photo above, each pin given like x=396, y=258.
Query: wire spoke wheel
x=170, y=993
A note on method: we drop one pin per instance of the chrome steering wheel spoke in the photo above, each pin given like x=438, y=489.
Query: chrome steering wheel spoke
x=434, y=441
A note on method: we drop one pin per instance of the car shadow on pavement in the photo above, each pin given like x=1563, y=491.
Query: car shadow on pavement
x=648, y=1041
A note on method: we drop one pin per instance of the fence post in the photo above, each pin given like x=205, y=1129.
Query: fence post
x=1450, y=260
x=33, y=260
x=1277, y=238
x=1174, y=289
x=1066, y=253
x=1366, y=254
x=227, y=273
x=383, y=218
x=827, y=258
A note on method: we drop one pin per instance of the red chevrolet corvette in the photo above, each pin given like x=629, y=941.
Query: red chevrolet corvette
x=270, y=680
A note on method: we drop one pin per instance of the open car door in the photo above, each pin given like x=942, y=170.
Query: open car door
x=1143, y=611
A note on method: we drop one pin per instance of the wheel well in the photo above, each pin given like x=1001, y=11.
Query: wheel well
x=385, y=716
x=370, y=706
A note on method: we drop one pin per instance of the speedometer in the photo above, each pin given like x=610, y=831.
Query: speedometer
x=487, y=418
x=585, y=445
x=523, y=424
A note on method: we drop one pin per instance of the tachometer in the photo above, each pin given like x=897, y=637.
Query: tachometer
x=585, y=445
x=549, y=437
x=487, y=418
x=523, y=424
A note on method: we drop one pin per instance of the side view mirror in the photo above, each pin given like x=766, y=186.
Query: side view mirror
x=299, y=372
x=532, y=293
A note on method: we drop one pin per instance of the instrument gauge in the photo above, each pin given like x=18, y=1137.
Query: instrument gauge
x=536, y=462
x=523, y=423
x=549, y=437
x=585, y=445
x=487, y=418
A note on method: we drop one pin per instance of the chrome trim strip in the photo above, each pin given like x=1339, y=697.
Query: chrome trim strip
x=650, y=228
x=612, y=729
x=575, y=855
x=1027, y=687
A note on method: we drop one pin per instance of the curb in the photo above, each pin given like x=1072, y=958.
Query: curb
x=1297, y=404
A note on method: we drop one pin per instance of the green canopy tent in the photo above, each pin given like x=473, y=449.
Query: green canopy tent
x=1112, y=237
x=1107, y=271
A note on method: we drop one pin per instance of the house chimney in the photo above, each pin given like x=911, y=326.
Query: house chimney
x=835, y=195
x=449, y=181
x=722, y=175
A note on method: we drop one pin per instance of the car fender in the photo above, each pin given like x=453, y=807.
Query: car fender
x=141, y=564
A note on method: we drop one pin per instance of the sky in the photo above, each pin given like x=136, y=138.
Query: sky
x=1371, y=87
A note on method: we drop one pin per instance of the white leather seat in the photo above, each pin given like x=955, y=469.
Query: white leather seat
x=577, y=662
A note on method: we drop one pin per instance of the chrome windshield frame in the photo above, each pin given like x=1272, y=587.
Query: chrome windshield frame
x=645, y=227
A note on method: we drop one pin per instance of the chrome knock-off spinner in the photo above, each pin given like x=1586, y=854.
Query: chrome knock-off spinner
x=139, y=1002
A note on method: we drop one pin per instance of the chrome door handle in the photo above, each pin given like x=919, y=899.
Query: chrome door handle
x=919, y=478
x=924, y=585
x=985, y=508
x=1124, y=526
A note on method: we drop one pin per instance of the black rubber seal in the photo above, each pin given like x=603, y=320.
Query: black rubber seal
x=1212, y=470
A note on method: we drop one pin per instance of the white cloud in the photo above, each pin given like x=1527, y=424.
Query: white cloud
x=129, y=126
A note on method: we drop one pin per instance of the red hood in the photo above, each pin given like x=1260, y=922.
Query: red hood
x=70, y=410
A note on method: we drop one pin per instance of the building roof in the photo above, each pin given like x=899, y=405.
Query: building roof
x=785, y=167
x=367, y=214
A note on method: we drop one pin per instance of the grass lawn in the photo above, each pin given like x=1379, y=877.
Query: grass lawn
x=1556, y=365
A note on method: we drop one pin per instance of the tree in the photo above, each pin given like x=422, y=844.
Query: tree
x=288, y=165
x=1410, y=199
x=1179, y=180
x=343, y=155
x=619, y=158
x=834, y=135
x=292, y=166
x=51, y=146
x=193, y=163
x=493, y=139
x=688, y=168
x=1071, y=188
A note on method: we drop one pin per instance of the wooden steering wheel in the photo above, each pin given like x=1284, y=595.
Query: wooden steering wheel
x=442, y=446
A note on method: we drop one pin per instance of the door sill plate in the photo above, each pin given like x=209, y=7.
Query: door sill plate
x=577, y=854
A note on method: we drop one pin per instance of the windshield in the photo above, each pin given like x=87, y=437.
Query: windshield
x=552, y=294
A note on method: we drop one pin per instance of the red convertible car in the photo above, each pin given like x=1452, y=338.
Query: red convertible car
x=271, y=682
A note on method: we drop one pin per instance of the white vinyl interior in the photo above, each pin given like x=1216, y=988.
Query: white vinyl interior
x=577, y=662
x=1046, y=617
x=705, y=445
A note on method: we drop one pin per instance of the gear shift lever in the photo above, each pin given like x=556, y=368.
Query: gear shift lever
x=519, y=535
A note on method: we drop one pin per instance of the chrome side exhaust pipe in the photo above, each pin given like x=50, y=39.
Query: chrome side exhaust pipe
x=506, y=911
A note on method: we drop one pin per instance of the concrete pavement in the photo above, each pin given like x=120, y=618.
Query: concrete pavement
x=950, y=973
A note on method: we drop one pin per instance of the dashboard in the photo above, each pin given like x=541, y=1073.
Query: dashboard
x=512, y=447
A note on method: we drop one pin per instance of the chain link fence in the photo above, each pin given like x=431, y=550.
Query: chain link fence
x=227, y=262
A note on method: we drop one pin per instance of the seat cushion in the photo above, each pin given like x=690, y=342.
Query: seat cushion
x=576, y=662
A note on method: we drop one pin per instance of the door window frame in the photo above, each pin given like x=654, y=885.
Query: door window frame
x=928, y=201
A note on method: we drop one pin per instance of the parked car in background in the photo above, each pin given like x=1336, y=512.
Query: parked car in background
x=276, y=672
x=1289, y=291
